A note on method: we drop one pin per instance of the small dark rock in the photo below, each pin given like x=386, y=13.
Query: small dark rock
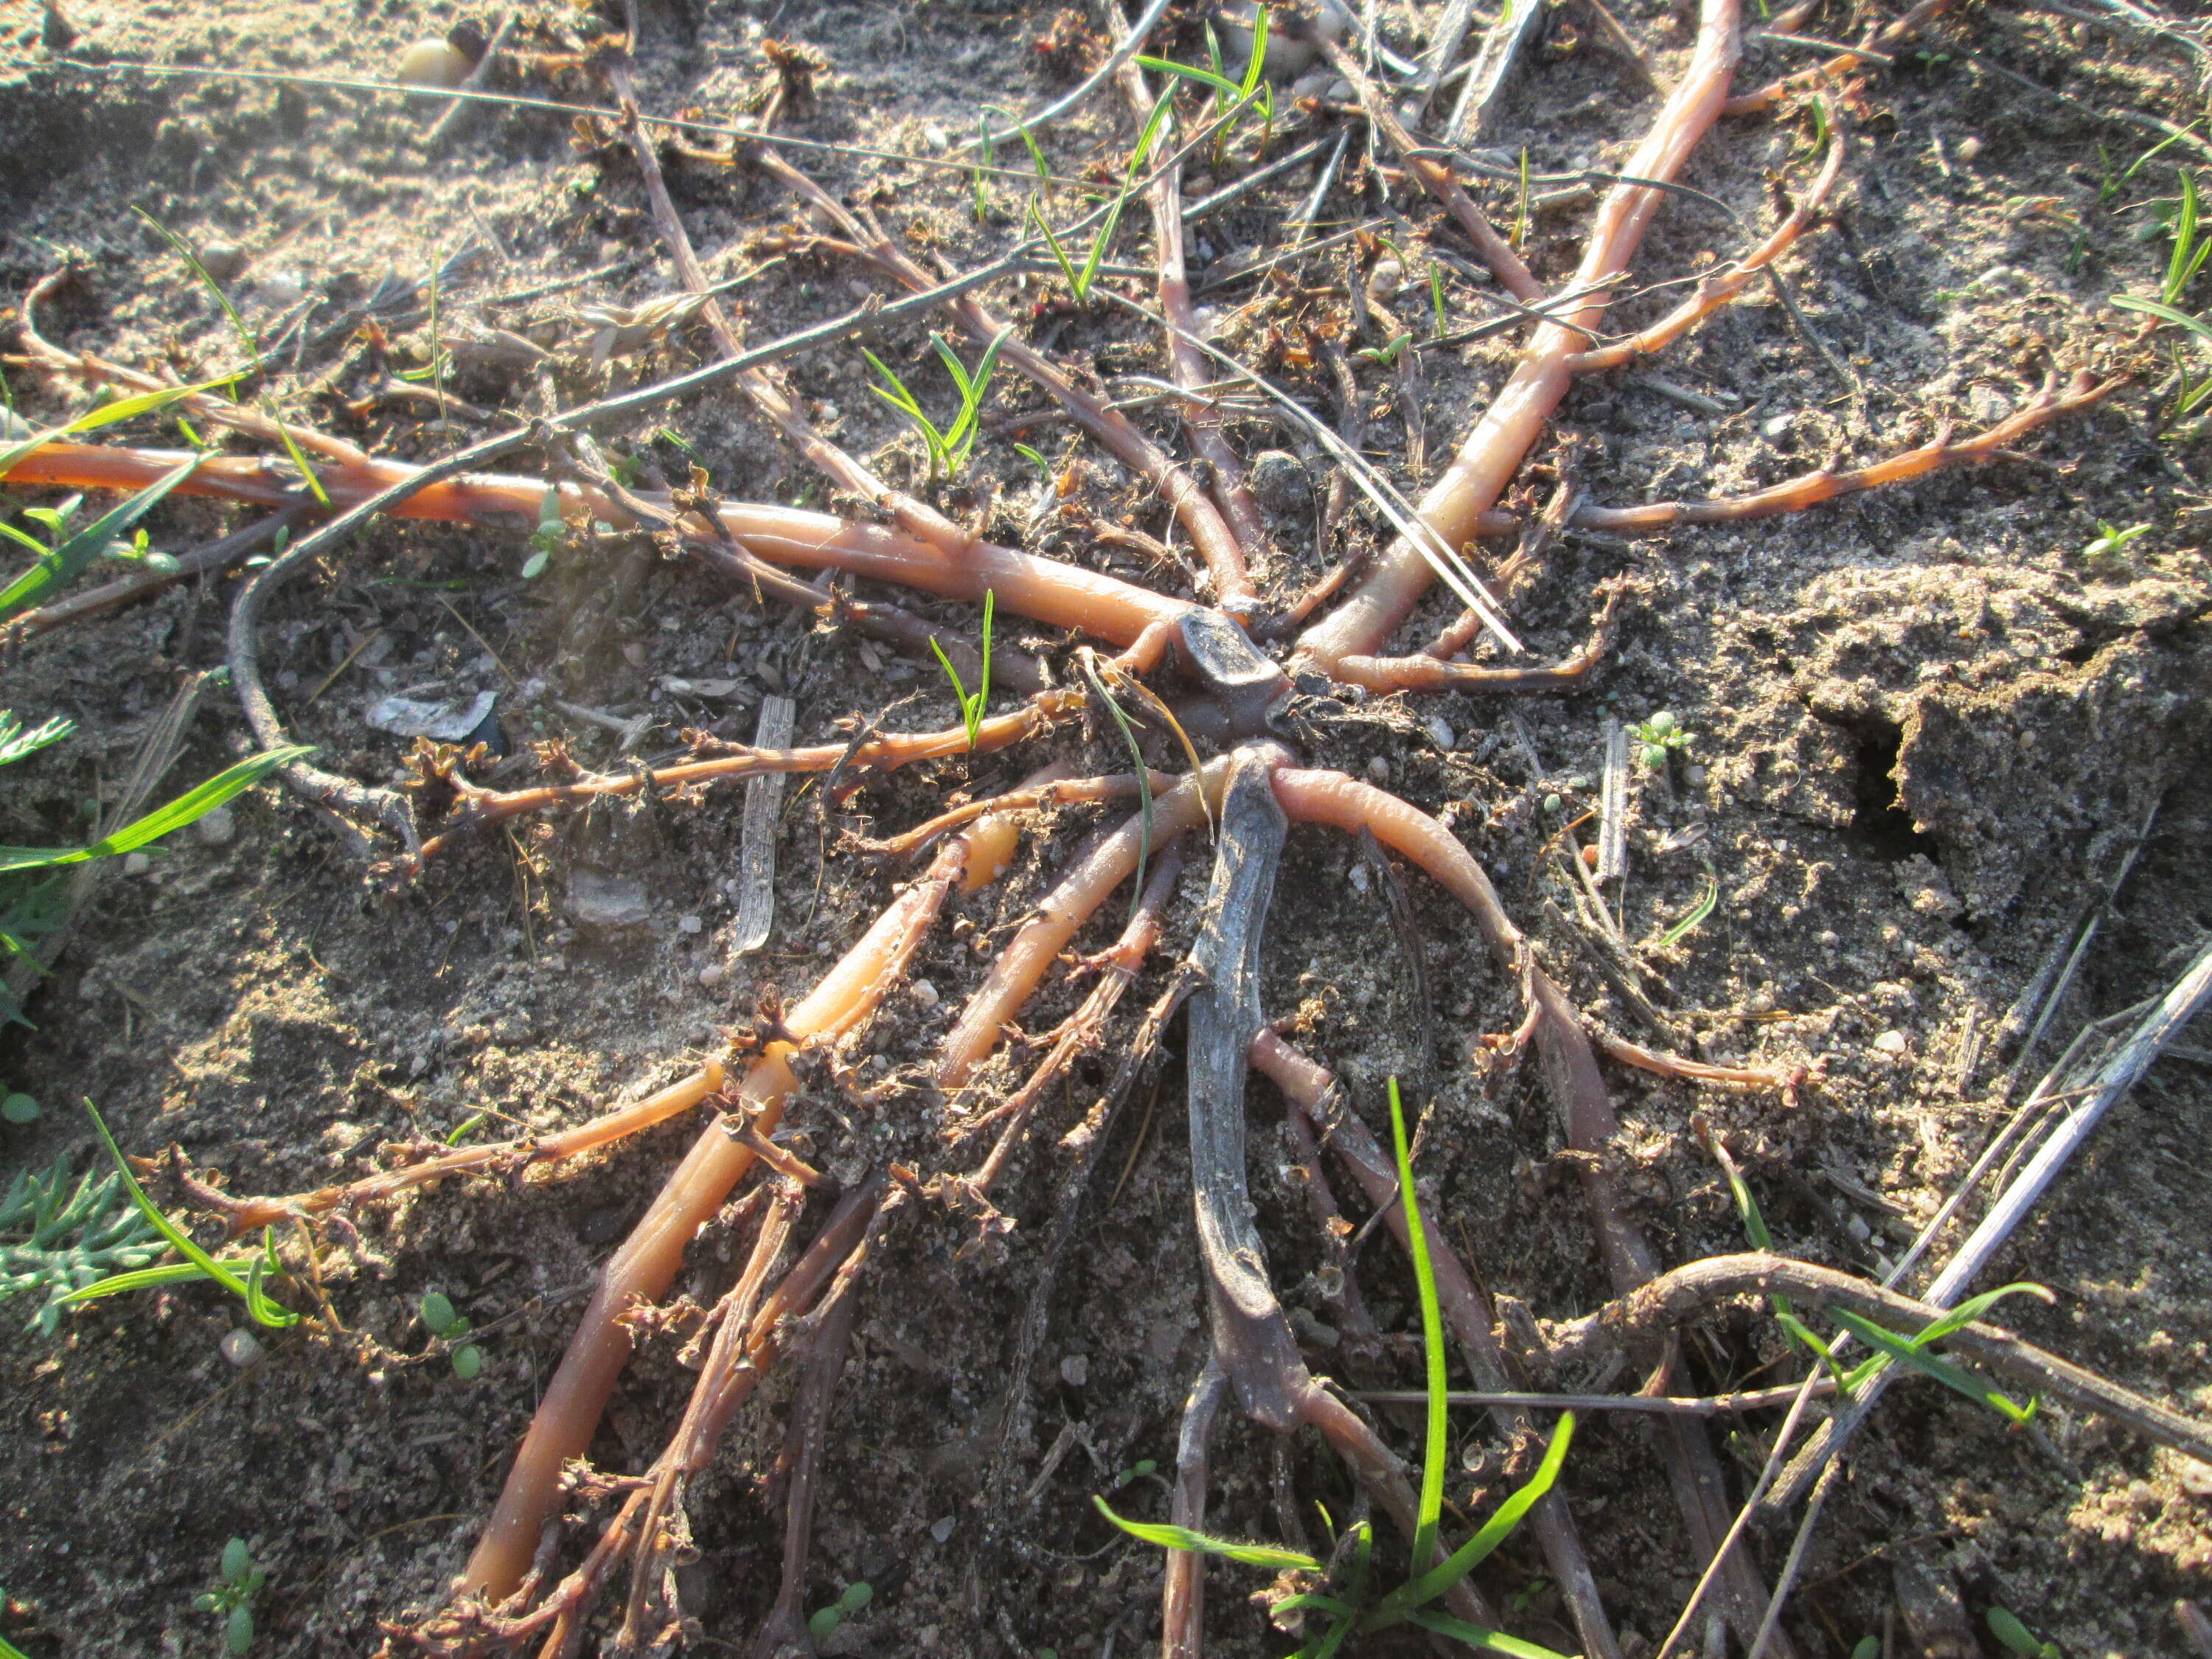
x=1279, y=482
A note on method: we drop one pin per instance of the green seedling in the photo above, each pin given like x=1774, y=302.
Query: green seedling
x=238, y=1581
x=1034, y=458
x=2006, y=1626
x=550, y=536
x=1351, y=1610
x=1868, y=1647
x=19, y=1108
x=855, y=1599
x=2111, y=546
x=61, y=561
x=56, y=1239
x=1386, y=356
x=972, y=707
x=443, y=1322
x=1520, y=203
x=949, y=446
x=1078, y=282
x=982, y=184
x=1436, y=299
x=1657, y=736
x=1136, y=1471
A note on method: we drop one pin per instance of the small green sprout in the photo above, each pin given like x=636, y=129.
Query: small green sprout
x=1658, y=735
x=448, y=1325
x=2189, y=250
x=2007, y=1629
x=1386, y=356
x=972, y=707
x=1868, y=1647
x=551, y=534
x=1436, y=297
x=1136, y=1471
x=824, y=1620
x=2109, y=548
x=1034, y=458
x=949, y=446
x=238, y=1581
x=19, y=1108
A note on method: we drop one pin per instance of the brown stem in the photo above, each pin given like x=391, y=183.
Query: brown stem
x=242, y=1216
x=1879, y=41
x=1671, y=1299
x=216, y=556
x=477, y=808
x=1811, y=489
x=1201, y=418
x=1516, y=417
x=1065, y=792
x=1182, y=1594
x=218, y=411
x=1436, y=179
x=1086, y=1029
x=1428, y=673
x=1717, y=288
x=1045, y=590
x=1039, y=940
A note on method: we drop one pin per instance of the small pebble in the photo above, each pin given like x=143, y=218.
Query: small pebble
x=941, y=1530
x=1968, y=149
x=218, y=828
x=1279, y=482
x=136, y=864
x=713, y=974
x=936, y=138
x=1440, y=729
x=1075, y=1371
x=1379, y=770
x=1779, y=427
x=1890, y=1042
x=434, y=62
x=239, y=1348
x=222, y=260
x=924, y=992
x=1385, y=280
x=690, y=924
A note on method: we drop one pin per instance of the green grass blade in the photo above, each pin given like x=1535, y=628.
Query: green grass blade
x=16, y=744
x=1951, y=1376
x=2178, y=268
x=188, y=808
x=190, y=255
x=2165, y=314
x=954, y=366
x=1355, y=1591
x=62, y=566
x=1066, y=268
x=1974, y=1307
x=1433, y=1345
x=175, y=1273
x=1182, y=1538
x=1400, y=1603
x=1693, y=917
x=951, y=673
x=169, y=1230
x=1491, y=1641
x=1220, y=83
x=1105, y=237
x=1258, y=65
x=983, y=690
x=1161, y=106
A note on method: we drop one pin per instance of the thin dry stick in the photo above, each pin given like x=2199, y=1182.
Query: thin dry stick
x=1486, y=76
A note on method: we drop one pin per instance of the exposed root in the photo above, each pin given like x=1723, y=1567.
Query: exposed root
x=1811, y=489
x=1784, y=1080
x=1880, y=43
x=1428, y=673
x=1716, y=288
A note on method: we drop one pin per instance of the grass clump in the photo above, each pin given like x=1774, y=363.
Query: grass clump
x=949, y=446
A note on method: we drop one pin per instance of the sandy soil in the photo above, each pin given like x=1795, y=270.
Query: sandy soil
x=1924, y=726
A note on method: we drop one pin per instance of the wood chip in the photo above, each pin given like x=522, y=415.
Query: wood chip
x=757, y=856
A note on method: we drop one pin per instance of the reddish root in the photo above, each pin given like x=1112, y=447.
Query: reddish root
x=1068, y=792
x=1717, y=288
x=1810, y=490
x=1879, y=41
x=1784, y=1080
x=1428, y=673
